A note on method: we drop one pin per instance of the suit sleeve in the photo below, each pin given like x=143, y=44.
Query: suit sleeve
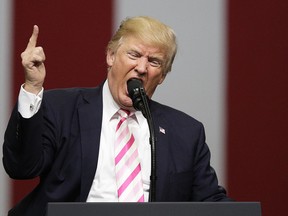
x=28, y=145
x=205, y=184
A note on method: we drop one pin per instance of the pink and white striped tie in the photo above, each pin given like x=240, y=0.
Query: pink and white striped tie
x=127, y=164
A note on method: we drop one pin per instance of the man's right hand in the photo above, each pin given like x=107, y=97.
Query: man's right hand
x=33, y=62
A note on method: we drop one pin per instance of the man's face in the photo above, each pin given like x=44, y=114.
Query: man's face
x=134, y=59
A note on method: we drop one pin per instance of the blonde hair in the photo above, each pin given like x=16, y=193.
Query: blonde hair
x=150, y=31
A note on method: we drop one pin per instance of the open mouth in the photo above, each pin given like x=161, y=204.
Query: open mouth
x=133, y=84
x=135, y=80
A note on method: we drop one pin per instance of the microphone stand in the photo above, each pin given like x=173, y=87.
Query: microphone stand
x=147, y=114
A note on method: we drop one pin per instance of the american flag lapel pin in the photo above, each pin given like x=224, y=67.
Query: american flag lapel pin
x=161, y=130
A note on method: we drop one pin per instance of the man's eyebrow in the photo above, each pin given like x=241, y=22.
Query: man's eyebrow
x=155, y=57
x=133, y=50
x=159, y=57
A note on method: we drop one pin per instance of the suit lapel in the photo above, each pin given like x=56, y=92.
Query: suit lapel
x=90, y=119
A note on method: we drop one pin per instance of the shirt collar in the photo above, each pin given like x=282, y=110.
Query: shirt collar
x=111, y=107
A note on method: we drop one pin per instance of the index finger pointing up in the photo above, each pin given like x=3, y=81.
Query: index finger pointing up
x=33, y=39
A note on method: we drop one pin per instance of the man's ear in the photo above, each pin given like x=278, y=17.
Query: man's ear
x=110, y=56
x=162, y=78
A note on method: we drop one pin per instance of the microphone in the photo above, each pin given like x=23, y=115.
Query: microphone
x=139, y=98
x=135, y=89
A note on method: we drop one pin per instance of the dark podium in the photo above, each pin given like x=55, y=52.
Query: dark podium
x=156, y=209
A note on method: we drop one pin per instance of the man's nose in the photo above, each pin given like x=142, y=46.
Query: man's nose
x=142, y=65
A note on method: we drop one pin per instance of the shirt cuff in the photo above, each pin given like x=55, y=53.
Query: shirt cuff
x=29, y=103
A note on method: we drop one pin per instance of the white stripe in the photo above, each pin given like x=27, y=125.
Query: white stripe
x=197, y=82
x=5, y=95
x=130, y=188
x=121, y=144
x=128, y=154
x=125, y=175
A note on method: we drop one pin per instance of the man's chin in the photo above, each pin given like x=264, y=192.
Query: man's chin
x=127, y=104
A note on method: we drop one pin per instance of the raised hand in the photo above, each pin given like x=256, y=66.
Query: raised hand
x=33, y=59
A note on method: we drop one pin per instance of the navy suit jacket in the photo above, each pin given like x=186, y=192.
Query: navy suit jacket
x=61, y=143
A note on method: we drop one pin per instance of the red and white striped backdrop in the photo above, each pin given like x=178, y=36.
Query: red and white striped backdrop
x=230, y=73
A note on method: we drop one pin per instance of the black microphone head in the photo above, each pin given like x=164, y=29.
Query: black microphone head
x=134, y=86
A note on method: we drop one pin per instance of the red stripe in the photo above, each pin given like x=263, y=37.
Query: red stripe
x=129, y=180
x=120, y=123
x=141, y=199
x=128, y=163
x=74, y=37
x=257, y=103
x=124, y=149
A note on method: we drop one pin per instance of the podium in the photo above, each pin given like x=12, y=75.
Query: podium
x=155, y=209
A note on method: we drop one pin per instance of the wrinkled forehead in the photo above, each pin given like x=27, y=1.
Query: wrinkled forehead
x=143, y=46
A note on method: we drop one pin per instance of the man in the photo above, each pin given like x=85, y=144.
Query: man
x=68, y=136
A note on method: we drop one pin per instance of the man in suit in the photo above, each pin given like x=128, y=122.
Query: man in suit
x=67, y=136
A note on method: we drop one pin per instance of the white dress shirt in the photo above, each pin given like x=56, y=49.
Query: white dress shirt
x=29, y=103
x=104, y=188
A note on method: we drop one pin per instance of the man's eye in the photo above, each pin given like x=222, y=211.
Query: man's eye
x=133, y=55
x=155, y=63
